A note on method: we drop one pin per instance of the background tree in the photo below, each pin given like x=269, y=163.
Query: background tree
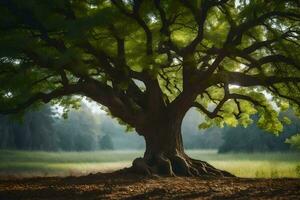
x=253, y=139
x=111, y=127
x=195, y=138
x=46, y=130
x=106, y=143
x=149, y=62
x=34, y=132
x=79, y=131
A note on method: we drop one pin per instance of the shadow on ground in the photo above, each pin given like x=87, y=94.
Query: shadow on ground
x=128, y=186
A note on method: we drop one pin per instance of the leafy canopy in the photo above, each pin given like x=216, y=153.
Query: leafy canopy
x=229, y=58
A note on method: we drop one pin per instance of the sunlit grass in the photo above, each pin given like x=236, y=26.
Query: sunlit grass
x=256, y=165
x=68, y=157
x=259, y=169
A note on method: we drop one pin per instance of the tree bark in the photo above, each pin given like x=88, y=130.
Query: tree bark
x=165, y=154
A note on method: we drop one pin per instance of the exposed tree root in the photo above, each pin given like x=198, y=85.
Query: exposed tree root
x=176, y=165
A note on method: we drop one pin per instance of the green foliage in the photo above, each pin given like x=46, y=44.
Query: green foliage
x=269, y=121
x=294, y=141
x=98, y=48
x=204, y=125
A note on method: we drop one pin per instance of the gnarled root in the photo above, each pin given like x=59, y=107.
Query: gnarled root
x=158, y=165
x=180, y=165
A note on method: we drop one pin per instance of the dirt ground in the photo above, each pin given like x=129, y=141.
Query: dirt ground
x=126, y=186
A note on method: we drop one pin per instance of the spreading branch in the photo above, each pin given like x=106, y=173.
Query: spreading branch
x=44, y=97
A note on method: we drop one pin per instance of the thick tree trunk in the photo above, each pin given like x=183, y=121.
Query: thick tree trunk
x=165, y=155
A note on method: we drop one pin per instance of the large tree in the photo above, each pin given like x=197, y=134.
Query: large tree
x=149, y=61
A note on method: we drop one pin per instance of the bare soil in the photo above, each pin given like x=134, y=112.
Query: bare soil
x=120, y=185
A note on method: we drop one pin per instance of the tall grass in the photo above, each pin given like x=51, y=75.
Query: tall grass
x=38, y=163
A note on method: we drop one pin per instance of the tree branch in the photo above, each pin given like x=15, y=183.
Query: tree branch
x=241, y=79
x=235, y=34
x=44, y=97
x=227, y=96
x=200, y=16
x=136, y=16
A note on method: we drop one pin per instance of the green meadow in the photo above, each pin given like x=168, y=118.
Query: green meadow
x=38, y=163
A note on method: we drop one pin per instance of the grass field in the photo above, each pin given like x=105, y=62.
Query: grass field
x=26, y=163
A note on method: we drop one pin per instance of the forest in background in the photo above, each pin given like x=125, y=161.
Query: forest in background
x=86, y=130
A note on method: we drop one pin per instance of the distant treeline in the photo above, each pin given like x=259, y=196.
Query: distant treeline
x=45, y=130
x=85, y=130
x=253, y=139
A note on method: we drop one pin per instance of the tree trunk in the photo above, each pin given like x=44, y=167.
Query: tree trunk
x=165, y=155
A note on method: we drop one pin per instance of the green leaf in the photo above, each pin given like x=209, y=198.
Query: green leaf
x=205, y=125
x=294, y=141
